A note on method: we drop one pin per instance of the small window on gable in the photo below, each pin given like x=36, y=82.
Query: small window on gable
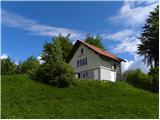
x=82, y=51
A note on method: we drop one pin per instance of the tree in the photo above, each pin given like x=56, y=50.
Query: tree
x=52, y=52
x=96, y=41
x=8, y=66
x=66, y=44
x=154, y=77
x=54, y=70
x=149, y=46
x=28, y=66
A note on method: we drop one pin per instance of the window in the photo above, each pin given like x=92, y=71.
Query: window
x=78, y=75
x=77, y=63
x=82, y=51
x=114, y=67
x=85, y=61
x=84, y=75
x=81, y=62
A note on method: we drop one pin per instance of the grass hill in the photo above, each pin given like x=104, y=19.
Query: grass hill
x=25, y=98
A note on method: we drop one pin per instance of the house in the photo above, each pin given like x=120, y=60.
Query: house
x=91, y=62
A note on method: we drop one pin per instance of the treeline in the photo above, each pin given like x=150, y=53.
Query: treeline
x=28, y=67
x=54, y=70
x=149, y=81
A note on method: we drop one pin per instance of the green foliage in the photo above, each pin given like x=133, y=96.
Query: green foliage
x=59, y=74
x=96, y=41
x=63, y=74
x=140, y=79
x=52, y=52
x=149, y=46
x=87, y=99
x=66, y=44
x=7, y=66
x=54, y=71
x=154, y=76
x=28, y=66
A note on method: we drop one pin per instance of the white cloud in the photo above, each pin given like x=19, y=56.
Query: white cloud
x=126, y=46
x=133, y=13
x=39, y=59
x=126, y=65
x=147, y=2
x=139, y=64
x=120, y=35
x=14, y=20
x=135, y=64
x=126, y=41
x=131, y=17
x=3, y=56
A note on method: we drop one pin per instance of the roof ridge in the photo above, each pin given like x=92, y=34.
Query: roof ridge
x=96, y=49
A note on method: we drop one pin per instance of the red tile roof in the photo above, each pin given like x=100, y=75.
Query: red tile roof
x=96, y=49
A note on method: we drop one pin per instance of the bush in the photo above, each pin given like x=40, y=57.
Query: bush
x=28, y=66
x=8, y=66
x=138, y=79
x=58, y=74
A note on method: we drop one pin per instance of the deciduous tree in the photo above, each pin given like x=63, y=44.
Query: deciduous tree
x=96, y=41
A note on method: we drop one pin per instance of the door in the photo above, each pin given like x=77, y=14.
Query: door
x=79, y=75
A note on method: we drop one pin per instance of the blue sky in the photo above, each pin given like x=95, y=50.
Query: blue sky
x=27, y=25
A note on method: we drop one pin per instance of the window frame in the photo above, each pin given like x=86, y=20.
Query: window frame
x=82, y=50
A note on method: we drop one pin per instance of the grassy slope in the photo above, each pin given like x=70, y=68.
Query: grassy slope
x=24, y=98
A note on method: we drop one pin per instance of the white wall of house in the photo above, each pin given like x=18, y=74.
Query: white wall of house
x=92, y=59
x=96, y=74
x=107, y=74
x=96, y=68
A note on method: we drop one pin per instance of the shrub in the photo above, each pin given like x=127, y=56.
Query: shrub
x=58, y=74
x=28, y=66
x=63, y=74
x=138, y=79
x=8, y=66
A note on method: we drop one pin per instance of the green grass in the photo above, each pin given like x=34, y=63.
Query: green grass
x=24, y=98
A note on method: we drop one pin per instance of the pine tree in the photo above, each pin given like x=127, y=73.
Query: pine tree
x=149, y=46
